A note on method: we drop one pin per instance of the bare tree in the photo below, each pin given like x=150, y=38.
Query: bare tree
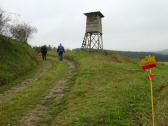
x=4, y=19
x=22, y=32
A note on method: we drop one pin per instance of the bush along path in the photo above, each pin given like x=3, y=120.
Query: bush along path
x=25, y=104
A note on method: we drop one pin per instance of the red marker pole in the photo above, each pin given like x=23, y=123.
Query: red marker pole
x=148, y=63
x=151, y=75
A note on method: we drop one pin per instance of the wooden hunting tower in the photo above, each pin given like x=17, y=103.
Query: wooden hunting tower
x=93, y=34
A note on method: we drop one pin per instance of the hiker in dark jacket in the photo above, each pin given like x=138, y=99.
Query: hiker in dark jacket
x=44, y=52
x=61, y=51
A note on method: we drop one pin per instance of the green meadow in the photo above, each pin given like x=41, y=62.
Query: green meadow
x=110, y=90
x=91, y=89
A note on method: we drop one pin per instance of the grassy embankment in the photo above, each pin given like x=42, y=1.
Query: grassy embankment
x=16, y=60
x=110, y=90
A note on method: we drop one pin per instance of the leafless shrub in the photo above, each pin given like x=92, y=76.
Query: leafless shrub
x=4, y=19
x=22, y=32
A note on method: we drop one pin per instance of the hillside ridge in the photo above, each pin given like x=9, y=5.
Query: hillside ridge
x=17, y=58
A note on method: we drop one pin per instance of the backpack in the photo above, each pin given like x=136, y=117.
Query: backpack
x=61, y=49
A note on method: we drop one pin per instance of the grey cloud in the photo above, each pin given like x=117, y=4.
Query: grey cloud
x=139, y=25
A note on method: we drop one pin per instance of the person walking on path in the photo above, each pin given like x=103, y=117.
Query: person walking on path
x=44, y=52
x=61, y=51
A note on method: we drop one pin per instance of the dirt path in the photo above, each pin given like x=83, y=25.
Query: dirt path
x=56, y=93
x=7, y=95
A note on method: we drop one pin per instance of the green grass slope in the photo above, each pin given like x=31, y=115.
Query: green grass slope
x=111, y=90
x=16, y=59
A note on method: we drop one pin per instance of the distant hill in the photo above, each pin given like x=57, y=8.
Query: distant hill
x=164, y=52
x=161, y=56
x=16, y=58
x=139, y=55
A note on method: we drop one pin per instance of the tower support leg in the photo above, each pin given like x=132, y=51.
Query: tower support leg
x=93, y=41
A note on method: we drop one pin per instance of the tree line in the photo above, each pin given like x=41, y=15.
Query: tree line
x=140, y=55
x=20, y=31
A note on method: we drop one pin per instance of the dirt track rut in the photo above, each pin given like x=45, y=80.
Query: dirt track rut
x=24, y=84
x=7, y=95
x=56, y=93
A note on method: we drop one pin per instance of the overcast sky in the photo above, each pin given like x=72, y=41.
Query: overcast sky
x=134, y=25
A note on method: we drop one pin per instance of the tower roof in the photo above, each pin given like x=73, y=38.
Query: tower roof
x=93, y=13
